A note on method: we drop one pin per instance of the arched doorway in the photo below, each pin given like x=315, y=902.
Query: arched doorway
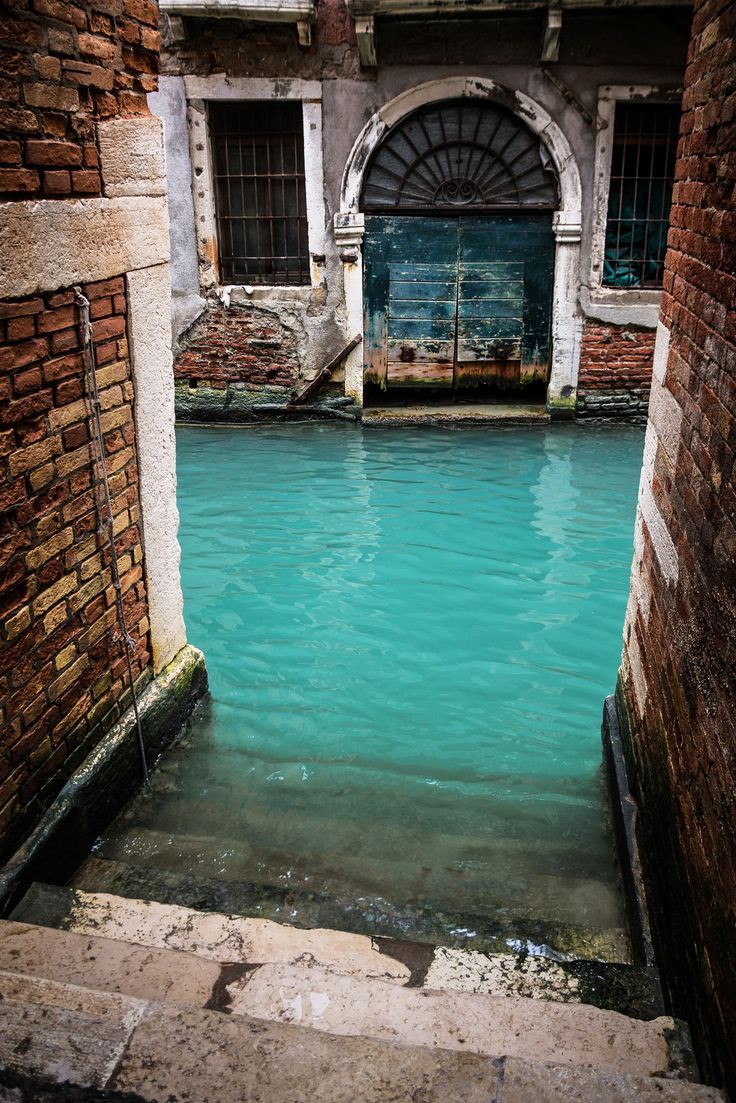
x=459, y=253
x=349, y=222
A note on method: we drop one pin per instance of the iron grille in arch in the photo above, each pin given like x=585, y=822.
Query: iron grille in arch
x=460, y=154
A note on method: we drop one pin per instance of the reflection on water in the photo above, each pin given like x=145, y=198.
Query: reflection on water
x=409, y=635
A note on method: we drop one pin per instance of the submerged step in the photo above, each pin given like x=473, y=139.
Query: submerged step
x=492, y=1025
x=492, y=878
x=457, y=416
x=371, y=915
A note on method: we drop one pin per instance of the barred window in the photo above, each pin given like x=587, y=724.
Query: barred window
x=258, y=163
x=642, y=171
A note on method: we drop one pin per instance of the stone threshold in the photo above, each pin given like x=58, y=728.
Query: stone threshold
x=455, y=416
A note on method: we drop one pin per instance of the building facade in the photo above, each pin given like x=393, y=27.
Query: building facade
x=480, y=192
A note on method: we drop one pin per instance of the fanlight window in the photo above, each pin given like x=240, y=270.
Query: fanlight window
x=460, y=154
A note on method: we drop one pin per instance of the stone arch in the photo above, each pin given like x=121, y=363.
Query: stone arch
x=349, y=223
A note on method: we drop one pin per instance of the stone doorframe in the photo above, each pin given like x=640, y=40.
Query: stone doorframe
x=349, y=225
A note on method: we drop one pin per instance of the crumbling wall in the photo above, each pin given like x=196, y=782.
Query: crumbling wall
x=84, y=206
x=678, y=674
x=615, y=370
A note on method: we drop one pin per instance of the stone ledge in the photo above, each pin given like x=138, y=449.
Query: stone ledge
x=45, y=244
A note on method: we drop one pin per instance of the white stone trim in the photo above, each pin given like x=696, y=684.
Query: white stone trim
x=662, y=441
x=219, y=86
x=348, y=225
x=200, y=90
x=619, y=306
x=149, y=335
x=50, y=243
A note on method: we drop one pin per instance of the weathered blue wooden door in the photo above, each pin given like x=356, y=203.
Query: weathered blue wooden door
x=456, y=302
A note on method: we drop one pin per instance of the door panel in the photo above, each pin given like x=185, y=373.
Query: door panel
x=490, y=325
x=421, y=325
x=458, y=301
x=407, y=260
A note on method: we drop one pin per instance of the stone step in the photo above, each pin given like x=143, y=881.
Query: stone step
x=226, y=939
x=371, y=915
x=492, y=884
x=233, y=938
x=496, y=1026
x=525, y=1081
x=626, y=989
x=103, y=964
x=289, y=968
x=56, y=1033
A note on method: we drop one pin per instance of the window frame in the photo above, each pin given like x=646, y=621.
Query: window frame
x=599, y=294
x=200, y=91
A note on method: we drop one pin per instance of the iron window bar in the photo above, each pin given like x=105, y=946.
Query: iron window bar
x=260, y=196
x=640, y=193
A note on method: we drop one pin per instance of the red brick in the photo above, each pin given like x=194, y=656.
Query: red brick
x=60, y=298
x=18, y=356
x=115, y=286
x=86, y=181
x=62, y=367
x=20, y=328
x=27, y=381
x=13, y=181
x=57, y=183
x=10, y=153
x=64, y=340
x=53, y=153
x=9, y=309
x=61, y=318
x=108, y=327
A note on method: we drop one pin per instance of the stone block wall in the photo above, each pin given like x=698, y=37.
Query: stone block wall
x=615, y=370
x=63, y=673
x=678, y=675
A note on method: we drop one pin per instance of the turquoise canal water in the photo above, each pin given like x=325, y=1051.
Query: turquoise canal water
x=409, y=636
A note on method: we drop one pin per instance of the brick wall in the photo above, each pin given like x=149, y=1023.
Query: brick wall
x=62, y=673
x=65, y=65
x=679, y=664
x=239, y=345
x=615, y=370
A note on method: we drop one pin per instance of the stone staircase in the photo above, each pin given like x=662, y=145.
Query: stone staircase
x=125, y=999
